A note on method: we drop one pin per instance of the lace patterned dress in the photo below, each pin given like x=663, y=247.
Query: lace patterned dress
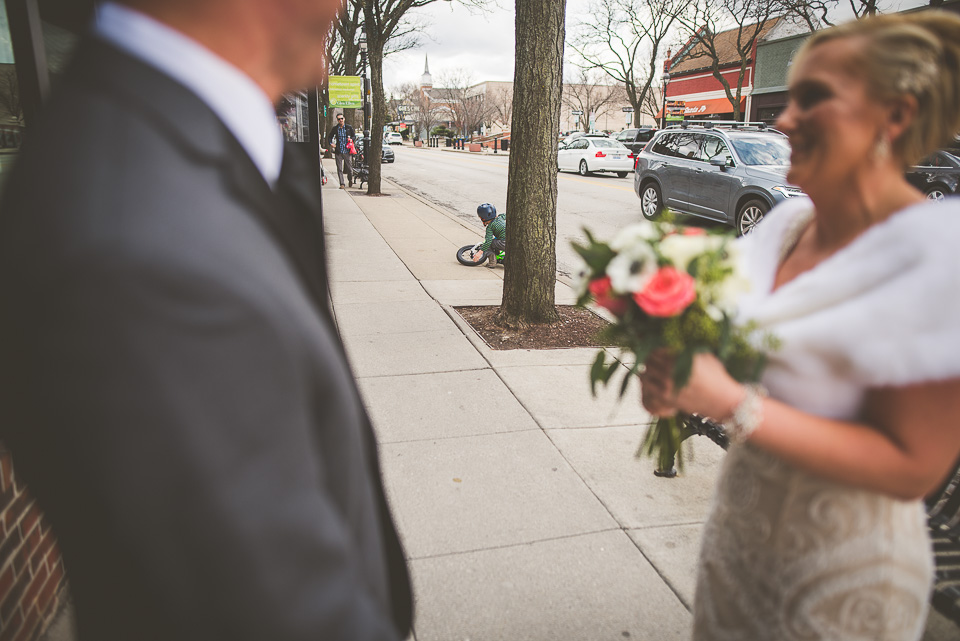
x=789, y=556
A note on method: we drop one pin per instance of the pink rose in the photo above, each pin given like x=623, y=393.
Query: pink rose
x=668, y=293
x=601, y=291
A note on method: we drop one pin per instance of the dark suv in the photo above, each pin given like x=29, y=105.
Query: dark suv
x=635, y=139
x=730, y=172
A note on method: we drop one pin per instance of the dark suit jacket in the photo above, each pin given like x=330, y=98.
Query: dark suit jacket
x=173, y=389
x=332, y=138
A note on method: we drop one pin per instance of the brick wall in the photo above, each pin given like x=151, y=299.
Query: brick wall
x=32, y=580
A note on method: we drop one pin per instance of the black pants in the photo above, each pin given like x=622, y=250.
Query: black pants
x=498, y=245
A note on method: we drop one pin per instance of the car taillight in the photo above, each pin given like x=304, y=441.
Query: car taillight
x=636, y=161
x=600, y=154
x=630, y=155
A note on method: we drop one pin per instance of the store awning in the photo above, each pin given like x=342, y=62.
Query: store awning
x=695, y=108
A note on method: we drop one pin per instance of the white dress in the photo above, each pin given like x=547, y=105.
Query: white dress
x=789, y=556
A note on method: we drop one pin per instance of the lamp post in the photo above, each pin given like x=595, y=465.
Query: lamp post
x=366, y=102
x=666, y=79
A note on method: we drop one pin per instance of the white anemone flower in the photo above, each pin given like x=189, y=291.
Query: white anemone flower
x=630, y=270
x=733, y=287
x=681, y=250
x=635, y=234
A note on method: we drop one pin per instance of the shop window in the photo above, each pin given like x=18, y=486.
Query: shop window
x=11, y=108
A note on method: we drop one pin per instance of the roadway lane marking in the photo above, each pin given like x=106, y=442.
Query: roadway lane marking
x=477, y=161
x=578, y=179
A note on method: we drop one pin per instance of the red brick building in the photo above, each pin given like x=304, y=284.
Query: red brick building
x=692, y=79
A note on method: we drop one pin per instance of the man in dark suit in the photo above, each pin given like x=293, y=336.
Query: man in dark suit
x=339, y=135
x=171, y=383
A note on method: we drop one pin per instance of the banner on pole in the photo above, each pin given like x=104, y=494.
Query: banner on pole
x=346, y=92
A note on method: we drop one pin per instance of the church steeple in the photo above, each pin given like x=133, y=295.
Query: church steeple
x=426, y=80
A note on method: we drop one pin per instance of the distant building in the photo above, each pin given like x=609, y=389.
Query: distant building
x=692, y=79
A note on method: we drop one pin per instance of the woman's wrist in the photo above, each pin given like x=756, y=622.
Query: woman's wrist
x=747, y=414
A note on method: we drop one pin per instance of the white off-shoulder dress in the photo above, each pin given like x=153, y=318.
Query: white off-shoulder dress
x=789, y=556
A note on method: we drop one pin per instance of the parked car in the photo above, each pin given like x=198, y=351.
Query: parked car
x=386, y=154
x=635, y=139
x=589, y=154
x=937, y=175
x=393, y=138
x=566, y=142
x=729, y=172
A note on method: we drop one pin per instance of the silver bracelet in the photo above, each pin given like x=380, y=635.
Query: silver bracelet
x=747, y=414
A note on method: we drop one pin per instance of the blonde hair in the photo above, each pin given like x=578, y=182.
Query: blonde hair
x=915, y=54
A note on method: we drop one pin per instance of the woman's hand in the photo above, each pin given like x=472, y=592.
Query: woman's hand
x=709, y=392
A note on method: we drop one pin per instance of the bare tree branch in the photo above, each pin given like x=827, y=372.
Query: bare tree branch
x=730, y=48
x=623, y=39
x=586, y=94
x=386, y=24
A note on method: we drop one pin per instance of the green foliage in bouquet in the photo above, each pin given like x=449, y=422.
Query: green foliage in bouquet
x=668, y=289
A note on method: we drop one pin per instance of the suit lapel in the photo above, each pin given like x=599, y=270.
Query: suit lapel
x=289, y=213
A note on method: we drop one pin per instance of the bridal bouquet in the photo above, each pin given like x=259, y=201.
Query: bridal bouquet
x=673, y=288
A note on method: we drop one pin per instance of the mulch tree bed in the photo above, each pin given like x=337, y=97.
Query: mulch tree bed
x=577, y=327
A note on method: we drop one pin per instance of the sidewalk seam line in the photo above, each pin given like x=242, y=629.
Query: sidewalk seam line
x=506, y=546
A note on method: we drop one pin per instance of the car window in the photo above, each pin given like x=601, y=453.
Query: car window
x=627, y=135
x=714, y=147
x=582, y=143
x=688, y=146
x=645, y=136
x=762, y=150
x=939, y=159
x=664, y=145
x=605, y=143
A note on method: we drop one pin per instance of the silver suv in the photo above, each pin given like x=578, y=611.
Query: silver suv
x=730, y=172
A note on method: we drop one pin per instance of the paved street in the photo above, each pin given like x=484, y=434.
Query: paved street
x=460, y=181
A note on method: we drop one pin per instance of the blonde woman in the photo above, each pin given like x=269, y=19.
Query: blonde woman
x=817, y=530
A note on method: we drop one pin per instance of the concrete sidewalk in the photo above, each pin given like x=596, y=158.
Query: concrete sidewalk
x=523, y=509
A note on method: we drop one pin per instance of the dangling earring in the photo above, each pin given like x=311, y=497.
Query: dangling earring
x=881, y=150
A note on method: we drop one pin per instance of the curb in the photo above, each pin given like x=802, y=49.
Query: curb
x=560, y=277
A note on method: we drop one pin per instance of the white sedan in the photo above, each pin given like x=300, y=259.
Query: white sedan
x=587, y=155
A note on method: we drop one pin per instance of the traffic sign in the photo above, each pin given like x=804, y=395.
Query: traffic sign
x=576, y=113
x=628, y=110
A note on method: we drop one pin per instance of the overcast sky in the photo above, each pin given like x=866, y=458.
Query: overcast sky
x=482, y=44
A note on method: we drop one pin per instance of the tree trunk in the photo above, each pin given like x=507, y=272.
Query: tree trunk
x=531, y=270
x=375, y=45
x=379, y=107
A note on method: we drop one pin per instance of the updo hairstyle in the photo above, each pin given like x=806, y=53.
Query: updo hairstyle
x=916, y=54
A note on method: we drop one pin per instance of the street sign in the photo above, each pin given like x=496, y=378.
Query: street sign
x=576, y=113
x=628, y=110
x=346, y=92
x=675, y=109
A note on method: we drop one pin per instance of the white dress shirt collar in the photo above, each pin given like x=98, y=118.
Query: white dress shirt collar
x=236, y=99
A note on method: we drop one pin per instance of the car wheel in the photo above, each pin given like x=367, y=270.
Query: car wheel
x=751, y=213
x=650, y=203
x=621, y=174
x=584, y=170
x=937, y=192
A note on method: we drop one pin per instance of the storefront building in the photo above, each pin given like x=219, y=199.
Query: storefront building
x=693, y=82
x=774, y=57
